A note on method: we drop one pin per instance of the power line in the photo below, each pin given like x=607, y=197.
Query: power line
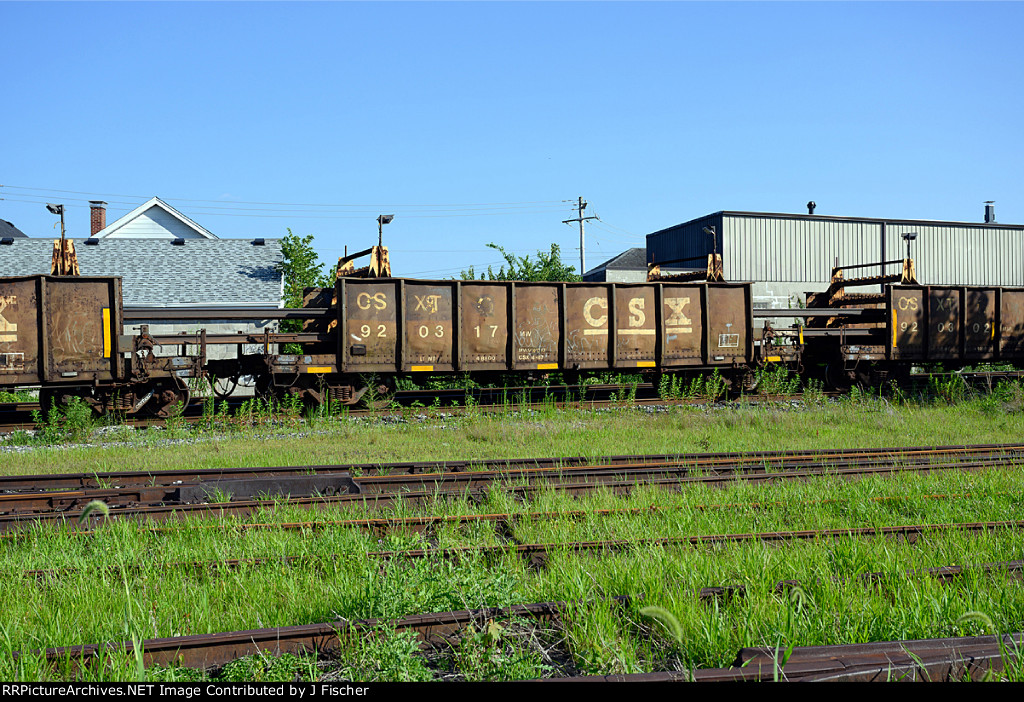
x=295, y=214
x=581, y=219
x=290, y=204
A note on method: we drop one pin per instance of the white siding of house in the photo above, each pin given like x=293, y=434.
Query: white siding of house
x=155, y=223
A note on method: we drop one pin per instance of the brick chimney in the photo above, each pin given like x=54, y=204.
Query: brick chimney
x=98, y=212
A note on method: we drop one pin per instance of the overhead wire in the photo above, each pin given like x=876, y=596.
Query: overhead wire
x=293, y=204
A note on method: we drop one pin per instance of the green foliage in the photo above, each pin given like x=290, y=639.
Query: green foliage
x=492, y=654
x=547, y=267
x=301, y=268
x=175, y=423
x=382, y=655
x=16, y=396
x=65, y=423
x=284, y=668
x=814, y=392
x=950, y=391
x=776, y=380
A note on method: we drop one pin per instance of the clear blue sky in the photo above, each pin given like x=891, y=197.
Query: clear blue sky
x=244, y=116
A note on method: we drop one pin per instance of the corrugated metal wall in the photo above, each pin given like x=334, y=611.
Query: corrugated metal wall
x=961, y=255
x=783, y=250
x=686, y=241
x=772, y=248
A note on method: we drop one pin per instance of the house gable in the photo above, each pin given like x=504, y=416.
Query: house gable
x=154, y=219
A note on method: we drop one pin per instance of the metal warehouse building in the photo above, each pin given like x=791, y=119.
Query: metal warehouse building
x=787, y=255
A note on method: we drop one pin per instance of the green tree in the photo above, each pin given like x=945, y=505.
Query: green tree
x=548, y=266
x=301, y=268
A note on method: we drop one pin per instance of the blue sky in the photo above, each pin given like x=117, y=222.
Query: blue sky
x=482, y=122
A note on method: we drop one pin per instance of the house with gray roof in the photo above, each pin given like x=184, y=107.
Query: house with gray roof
x=9, y=231
x=164, y=274
x=153, y=219
x=165, y=260
x=630, y=266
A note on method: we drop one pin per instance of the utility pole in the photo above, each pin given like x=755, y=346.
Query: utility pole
x=581, y=205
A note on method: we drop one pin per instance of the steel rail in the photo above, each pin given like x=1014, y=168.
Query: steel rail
x=931, y=660
x=537, y=555
x=385, y=525
x=62, y=481
x=385, y=490
x=210, y=650
x=474, y=487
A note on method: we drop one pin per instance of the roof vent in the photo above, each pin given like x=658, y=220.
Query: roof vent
x=7, y=241
x=178, y=242
x=810, y=207
x=990, y=211
x=259, y=242
x=92, y=241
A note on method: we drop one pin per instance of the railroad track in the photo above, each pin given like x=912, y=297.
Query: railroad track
x=160, y=495
x=19, y=416
x=537, y=555
x=974, y=657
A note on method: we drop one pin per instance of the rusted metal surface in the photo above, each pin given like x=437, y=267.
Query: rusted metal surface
x=329, y=484
x=59, y=330
x=729, y=324
x=210, y=650
x=537, y=337
x=484, y=343
x=683, y=315
x=369, y=325
x=761, y=459
x=1011, y=324
x=907, y=323
x=980, y=312
x=430, y=327
x=371, y=491
x=925, y=660
x=945, y=325
x=588, y=311
x=636, y=326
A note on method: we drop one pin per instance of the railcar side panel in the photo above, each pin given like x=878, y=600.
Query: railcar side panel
x=1011, y=324
x=59, y=330
x=729, y=323
x=429, y=327
x=636, y=326
x=682, y=314
x=370, y=330
x=588, y=313
x=485, y=325
x=537, y=326
x=980, y=310
x=906, y=322
x=944, y=323
x=19, y=331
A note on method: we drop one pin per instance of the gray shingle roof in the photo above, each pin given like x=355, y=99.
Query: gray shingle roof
x=8, y=229
x=156, y=272
x=630, y=259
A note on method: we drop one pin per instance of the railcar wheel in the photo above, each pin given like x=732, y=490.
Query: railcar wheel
x=167, y=401
x=54, y=401
x=837, y=378
x=379, y=393
x=224, y=387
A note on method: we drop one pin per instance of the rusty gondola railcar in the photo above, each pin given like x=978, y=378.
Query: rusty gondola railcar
x=388, y=327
